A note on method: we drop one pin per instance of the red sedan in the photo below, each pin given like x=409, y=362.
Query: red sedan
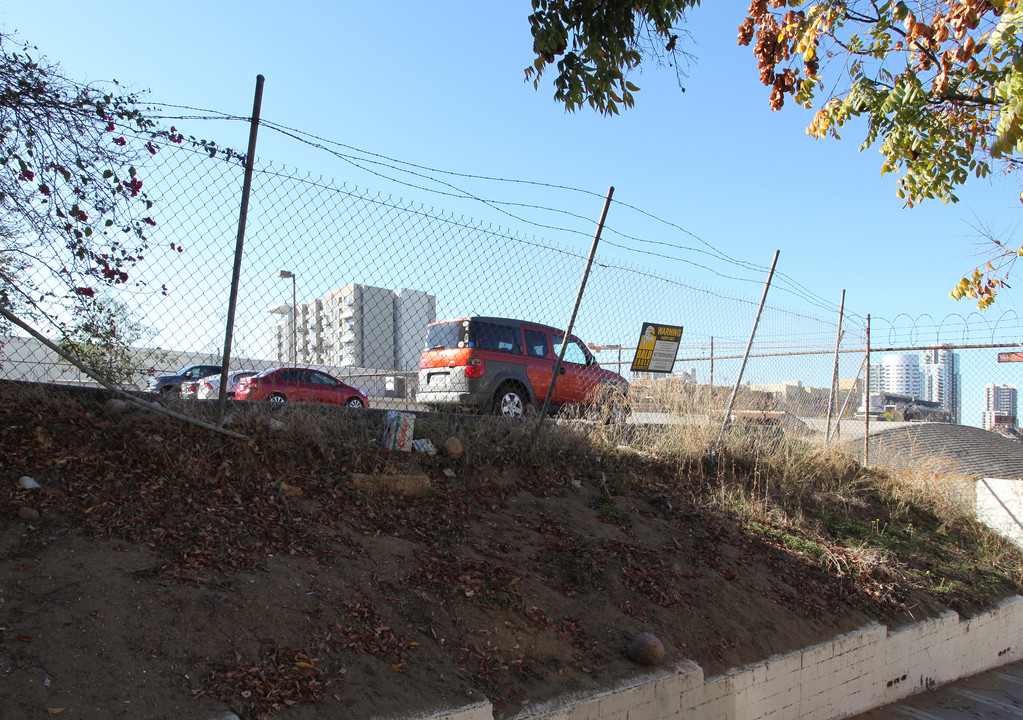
x=301, y=385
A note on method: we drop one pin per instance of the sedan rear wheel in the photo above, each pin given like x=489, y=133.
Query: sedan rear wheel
x=277, y=399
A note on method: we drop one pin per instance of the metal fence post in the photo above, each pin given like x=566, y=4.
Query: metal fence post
x=866, y=404
x=834, y=373
x=571, y=320
x=745, y=357
x=242, y=216
x=712, y=367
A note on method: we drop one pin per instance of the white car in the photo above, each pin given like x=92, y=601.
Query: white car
x=208, y=388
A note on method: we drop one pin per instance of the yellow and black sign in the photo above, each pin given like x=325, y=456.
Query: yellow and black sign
x=657, y=349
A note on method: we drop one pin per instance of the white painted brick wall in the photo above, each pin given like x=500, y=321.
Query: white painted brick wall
x=848, y=675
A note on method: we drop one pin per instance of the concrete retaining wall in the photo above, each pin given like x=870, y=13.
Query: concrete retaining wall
x=853, y=673
x=1000, y=506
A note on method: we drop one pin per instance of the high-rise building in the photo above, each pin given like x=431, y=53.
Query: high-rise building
x=358, y=326
x=942, y=381
x=414, y=310
x=361, y=326
x=999, y=405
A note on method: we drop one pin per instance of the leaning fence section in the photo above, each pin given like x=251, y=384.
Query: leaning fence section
x=346, y=280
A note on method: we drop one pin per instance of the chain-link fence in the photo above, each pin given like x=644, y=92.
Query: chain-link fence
x=348, y=282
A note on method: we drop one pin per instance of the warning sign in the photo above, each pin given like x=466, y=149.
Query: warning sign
x=657, y=349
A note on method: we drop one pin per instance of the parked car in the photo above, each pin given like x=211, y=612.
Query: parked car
x=208, y=388
x=505, y=366
x=167, y=384
x=302, y=385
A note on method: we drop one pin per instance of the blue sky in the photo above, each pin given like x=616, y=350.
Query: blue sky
x=441, y=85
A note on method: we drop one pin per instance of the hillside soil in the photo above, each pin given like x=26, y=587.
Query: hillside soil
x=166, y=571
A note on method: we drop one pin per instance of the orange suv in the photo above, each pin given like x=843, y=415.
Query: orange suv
x=506, y=366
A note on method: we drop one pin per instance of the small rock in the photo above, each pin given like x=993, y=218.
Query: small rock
x=28, y=514
x=453, y=448
x=117, y=406
x=276, y=424
x=646, y=649
x=28, y=483
x=660, y=500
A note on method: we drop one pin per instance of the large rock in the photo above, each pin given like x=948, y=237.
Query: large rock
x=453, y=448
x=646, y=649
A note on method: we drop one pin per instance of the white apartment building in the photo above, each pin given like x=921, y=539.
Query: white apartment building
x=899, y=374
x=357, y=326
x=932, y=376
x=999, y=405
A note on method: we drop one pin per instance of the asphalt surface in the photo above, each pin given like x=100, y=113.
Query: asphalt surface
x=994, y=694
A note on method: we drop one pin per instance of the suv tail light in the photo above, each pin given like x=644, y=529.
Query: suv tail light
x=207, y=386
x=474, y=368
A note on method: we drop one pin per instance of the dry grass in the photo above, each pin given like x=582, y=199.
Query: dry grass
x=862, y=522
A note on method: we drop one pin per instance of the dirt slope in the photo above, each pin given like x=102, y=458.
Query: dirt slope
x=175, y=573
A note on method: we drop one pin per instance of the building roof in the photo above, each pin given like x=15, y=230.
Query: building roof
x=942, y=448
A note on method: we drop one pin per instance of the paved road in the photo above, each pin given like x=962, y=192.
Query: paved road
x=994, y=694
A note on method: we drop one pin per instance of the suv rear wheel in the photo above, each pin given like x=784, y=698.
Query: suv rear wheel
x=511, y=401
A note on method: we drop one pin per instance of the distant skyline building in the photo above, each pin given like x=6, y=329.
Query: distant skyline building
x=358, y=326
x=999, y=405
x=932, y=376
x=942, y=380
x=899, y=374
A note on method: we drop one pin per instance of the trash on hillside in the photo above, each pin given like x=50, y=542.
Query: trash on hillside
x=424, y=445
x=398, y=430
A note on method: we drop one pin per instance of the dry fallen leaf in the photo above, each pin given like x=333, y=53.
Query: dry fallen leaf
x=54, y=711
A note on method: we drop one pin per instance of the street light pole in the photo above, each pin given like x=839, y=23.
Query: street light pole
x=294, y=313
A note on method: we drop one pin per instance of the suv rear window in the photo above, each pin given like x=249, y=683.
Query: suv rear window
x=444, y=336
x=491, y=336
